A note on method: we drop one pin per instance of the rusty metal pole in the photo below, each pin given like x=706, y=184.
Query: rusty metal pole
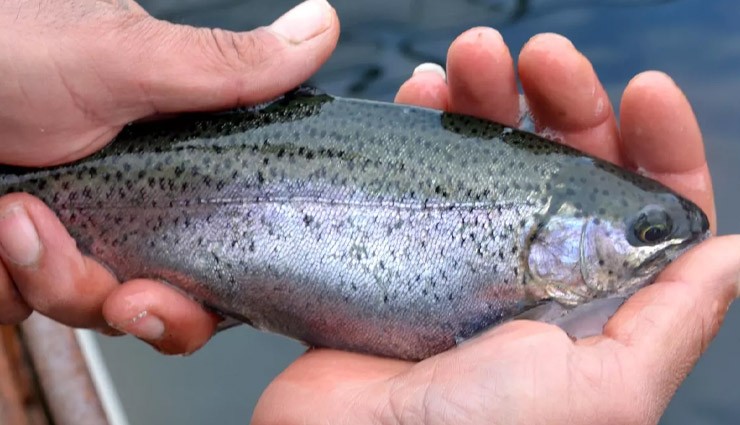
x=21, y=402
x=12, y=411
x=63, y=373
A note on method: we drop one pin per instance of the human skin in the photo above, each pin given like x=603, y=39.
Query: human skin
x=526, y=372
x=74, y=73
x=72, y=91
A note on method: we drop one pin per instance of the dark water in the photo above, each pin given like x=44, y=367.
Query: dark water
x=695, y=41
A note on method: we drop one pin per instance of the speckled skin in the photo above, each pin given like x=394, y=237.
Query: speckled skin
x=363, y=226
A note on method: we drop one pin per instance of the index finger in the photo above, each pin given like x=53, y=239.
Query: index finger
x=661, y=138
x=566, y=96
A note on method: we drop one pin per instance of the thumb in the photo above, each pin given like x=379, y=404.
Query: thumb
x=182, y=68
x=669, y=324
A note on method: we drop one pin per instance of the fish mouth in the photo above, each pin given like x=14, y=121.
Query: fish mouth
x=583, y=260
x=651, y=267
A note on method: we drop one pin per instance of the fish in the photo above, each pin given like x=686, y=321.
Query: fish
x=364, y=226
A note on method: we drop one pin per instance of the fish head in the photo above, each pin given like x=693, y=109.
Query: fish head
x=613, y=247
x=619, y=256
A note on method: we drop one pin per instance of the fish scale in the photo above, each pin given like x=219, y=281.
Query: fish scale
x=357, y=225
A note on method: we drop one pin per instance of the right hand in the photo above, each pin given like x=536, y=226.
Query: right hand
x=73, y=74
x=526, y=372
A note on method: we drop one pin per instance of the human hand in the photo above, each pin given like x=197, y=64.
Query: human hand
x=73, y=74
x=528, y=372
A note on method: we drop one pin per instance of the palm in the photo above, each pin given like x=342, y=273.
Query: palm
x=80, y=91
x=528, y=372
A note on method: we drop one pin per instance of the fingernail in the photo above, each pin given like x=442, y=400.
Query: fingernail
x=144, y=325
x=19, y=242
x=303, y=22
x=551, y=38
x=431, y=67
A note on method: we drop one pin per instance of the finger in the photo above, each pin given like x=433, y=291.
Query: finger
x=13, y=308
x=482, y=80
x=565, y=95
x=49, y=271
x=178, y=69
x=183, y=68
x=661, y=138
x=159, y=315
x=668, y=325
x=427, y=88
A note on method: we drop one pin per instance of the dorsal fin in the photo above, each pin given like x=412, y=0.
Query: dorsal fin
x=303, y=91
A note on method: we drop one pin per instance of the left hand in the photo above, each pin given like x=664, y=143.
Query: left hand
x=74, y=72
x=528, y=372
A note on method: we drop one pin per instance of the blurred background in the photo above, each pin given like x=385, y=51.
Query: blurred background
x=695, y=41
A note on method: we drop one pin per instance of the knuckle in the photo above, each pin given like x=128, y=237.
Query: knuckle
x=239, y=51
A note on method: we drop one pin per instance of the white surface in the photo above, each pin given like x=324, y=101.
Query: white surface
x=101, y=378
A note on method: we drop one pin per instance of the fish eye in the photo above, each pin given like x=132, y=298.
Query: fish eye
x=652, y=226
x=653, y=233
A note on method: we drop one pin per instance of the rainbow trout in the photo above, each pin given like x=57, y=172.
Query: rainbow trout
x=365, y=226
